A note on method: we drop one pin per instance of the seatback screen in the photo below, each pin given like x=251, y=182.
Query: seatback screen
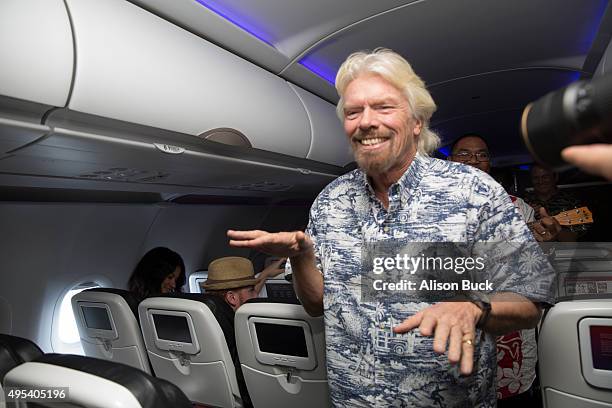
x=601, y=347
x=281, y=339
x=172, y=328
x=96, y=318
x=281, y=291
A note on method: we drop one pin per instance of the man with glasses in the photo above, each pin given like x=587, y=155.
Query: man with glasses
x=516, y=351
x=472, y=150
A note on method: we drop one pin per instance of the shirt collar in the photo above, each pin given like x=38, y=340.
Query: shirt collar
x=410, y=180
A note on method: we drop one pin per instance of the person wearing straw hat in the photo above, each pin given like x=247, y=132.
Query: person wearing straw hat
x=233, y=279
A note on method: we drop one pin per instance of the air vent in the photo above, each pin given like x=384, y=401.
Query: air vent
x=125, y=174
x=226, y=136
x=263, y=186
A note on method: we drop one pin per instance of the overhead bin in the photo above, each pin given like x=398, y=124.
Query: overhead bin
x=328, y=144
x=36, y=51
x=115, y=151
x=126, y=97
x=136, y=67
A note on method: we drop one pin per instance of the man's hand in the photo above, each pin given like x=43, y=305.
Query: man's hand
x=595, y=159
x=281, y=244
x=452, y=323
x=273, y=269
x=307, y=279
x=547, y=228
x=270, y=271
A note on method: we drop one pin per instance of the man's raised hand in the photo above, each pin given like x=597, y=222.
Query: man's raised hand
x=281, y=244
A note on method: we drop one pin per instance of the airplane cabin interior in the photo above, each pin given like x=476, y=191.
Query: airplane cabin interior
x=127, y=125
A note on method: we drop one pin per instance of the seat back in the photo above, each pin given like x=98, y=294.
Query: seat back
x=108, y=325
x=185, y=337
x=574, y=351
x=282, y=352
x=13, y=352
x=95, y=383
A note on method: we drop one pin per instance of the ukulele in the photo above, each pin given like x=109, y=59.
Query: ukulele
x=576, y=216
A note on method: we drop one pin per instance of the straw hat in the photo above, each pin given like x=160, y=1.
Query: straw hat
x=231, y=272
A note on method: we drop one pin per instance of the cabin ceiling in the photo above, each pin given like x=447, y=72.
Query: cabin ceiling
x=482, y=60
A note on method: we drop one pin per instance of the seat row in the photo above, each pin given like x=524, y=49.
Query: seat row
x=267, y=354
x=70, y=380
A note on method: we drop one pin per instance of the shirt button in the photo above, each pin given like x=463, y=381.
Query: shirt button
x=386, y=229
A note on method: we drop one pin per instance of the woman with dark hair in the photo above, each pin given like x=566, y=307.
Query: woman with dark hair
x=161, y=270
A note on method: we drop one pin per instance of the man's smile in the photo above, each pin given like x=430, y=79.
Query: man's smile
x=373, y=141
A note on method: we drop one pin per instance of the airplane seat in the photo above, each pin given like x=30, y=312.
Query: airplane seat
x=108, y=325
x=13, y=352
x=282, y=353
x=575, y=354
x=190, y=342
x=95, y=383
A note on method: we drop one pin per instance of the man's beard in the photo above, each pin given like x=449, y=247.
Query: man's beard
x=371, y=163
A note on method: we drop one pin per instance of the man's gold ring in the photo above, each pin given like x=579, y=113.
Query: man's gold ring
x=469, y=342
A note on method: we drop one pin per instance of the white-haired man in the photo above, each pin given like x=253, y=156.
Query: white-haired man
x=400, y=194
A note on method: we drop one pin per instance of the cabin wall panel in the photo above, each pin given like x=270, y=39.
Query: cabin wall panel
x=198, y=232
x=46, y=248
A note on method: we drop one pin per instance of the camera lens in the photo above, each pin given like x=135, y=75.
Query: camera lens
x=580, y=113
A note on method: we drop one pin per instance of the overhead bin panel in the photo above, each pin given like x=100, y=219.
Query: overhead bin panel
x=36, y=51
x=329, y=143
x=170, y=159
x=136, y=67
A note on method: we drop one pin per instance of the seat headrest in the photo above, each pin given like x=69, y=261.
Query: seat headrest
x=14, y=351
x=130, y=298
x=150, y=392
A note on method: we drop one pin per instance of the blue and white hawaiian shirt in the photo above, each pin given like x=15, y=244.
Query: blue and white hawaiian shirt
x=434, y=201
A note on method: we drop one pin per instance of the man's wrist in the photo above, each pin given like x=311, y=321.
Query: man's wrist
x=302, y=256
x=482, y=301
x=479, y=313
